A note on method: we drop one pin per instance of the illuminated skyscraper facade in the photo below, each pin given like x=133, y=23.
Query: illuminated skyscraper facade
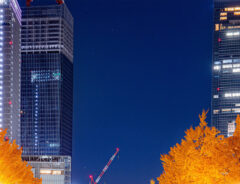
x=10, y=62
x=226, y=65
x=47, y=80
x=47, y=91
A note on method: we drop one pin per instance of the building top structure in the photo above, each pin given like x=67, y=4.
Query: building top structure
x=15, y=6
x=47, y=29
x=221, y=3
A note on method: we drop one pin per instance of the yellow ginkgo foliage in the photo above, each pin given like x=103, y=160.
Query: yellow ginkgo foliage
x=203, y=157
x=152, y=182
x=12, y=169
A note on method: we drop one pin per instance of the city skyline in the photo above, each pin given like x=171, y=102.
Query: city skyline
x=142, y=73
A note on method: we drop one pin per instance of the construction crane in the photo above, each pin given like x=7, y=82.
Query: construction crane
x=28, y=2
x=60, y=1
x=104, y=169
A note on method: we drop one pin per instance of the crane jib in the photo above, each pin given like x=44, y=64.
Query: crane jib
x=104, y=169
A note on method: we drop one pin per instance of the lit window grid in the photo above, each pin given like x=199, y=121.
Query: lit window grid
x=66, y=47
x=39, y=91
x=226, y=80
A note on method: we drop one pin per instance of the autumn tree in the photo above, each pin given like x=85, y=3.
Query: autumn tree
x=203, y=157
x=12, y=169
x=152, y=182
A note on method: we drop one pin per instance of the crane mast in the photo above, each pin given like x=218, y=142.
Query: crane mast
x=104, y=169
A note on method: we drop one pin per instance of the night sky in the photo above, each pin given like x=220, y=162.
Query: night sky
x=142, y=72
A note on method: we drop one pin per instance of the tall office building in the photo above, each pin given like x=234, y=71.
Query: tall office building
x=10, y=57
x=47, y=91
x=226, y=65
x=47, y=80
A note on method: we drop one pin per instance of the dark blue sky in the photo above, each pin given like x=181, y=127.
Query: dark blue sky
x=142, y=72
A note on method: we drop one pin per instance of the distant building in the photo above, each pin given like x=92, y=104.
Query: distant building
x=226, y=65
x=10, y=62
x=47, y=91
x=47, y=80
x=52, y=169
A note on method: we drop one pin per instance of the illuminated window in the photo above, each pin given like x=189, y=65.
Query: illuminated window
x=232, y=9
x=45, y=75
x=223, y=14
x=51, y=172
x=229, y=95
x=3, y=2
x=217, y=62
x=229, y=9
x=236, y=94
x=236, y=65
x=236, y=13
x=236, y=110
x=233, y=34
x=226, y=110
x=237, y=105
x=227, y=61
x=236, y=70
x=57, y=172
x=215, y=96
x=227, y=66
x=231, y=128
x=223, y=18
x=217, y=67
x=215, y=111
x=45, y=171
x=236, y=8
x=217, y=27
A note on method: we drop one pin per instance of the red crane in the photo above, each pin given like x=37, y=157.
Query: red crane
x=60, y=1
x=28, y=2
x=104, y=169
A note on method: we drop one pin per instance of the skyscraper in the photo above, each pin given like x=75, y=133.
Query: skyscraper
x=10, y=24
x=47, y=80
x=226, y=65
x=47, y=91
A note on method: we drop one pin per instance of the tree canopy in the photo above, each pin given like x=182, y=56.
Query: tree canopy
x=203, y=157
x=12, y=169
